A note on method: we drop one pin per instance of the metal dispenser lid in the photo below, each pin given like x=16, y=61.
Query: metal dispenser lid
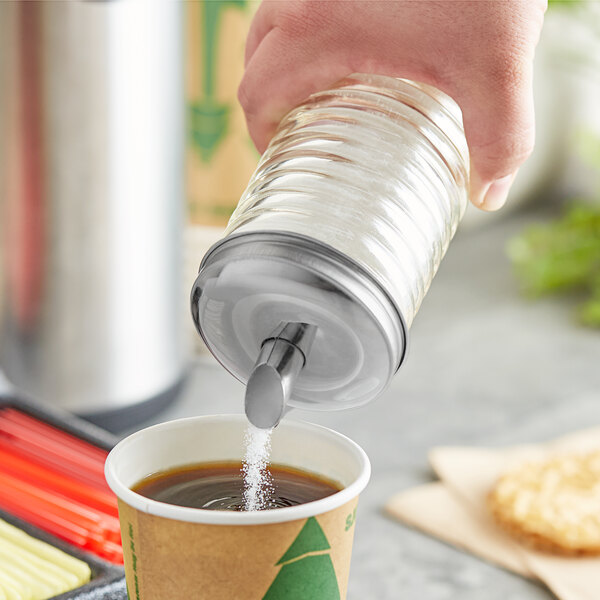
x=251, y=284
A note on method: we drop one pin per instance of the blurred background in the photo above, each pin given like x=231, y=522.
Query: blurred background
x=123, y=152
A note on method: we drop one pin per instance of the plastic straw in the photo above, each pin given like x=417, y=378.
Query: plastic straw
x=43, y=516
x=38, y=457
x=50, y=432
x=111, y=551
x=12, y=464
x=65, y=530
x=87, y=518
x=54, y=451
x=55, y=481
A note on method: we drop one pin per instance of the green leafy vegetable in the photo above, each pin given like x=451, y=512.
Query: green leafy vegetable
x=562, y=256
x=570, y=3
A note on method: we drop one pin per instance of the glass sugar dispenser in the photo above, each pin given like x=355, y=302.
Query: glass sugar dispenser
x=309, y=296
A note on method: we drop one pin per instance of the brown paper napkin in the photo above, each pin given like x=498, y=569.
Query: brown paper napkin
x=455, y=511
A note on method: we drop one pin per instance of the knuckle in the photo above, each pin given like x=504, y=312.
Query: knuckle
x=514, y=149
x=296, y=18
x=304, y=19
x=505, y=154
x=244, y=97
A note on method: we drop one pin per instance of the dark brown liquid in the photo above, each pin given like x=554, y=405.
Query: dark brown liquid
x=220, y=486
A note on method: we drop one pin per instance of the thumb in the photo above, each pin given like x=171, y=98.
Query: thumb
x=500, y=129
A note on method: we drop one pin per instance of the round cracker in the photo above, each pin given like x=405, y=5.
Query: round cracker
x=552, y=505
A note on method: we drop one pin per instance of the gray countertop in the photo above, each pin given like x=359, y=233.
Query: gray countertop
x=485, y=368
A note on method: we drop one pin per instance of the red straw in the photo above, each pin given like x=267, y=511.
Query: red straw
x=62, y=528
x=49, y=522
x=87, y=518
x=53, y=450
x=37, y=455
x=12, y=464
x=48, y=432
x=106, y=549
x=55, y=481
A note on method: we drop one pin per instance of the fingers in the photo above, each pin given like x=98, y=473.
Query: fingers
x=493, y=84
x=500, y=129
x=262, y=23
x=293, y=50
x=276, y=80
x=479, y=53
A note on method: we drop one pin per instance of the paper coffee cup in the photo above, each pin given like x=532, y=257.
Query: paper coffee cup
x=295, y=553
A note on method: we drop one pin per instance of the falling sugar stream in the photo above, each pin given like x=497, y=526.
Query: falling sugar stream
x=258, y=483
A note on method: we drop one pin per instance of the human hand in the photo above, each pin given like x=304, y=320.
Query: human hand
x=478, y=52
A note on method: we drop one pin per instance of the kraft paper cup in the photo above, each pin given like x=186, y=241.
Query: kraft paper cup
x=296, y=553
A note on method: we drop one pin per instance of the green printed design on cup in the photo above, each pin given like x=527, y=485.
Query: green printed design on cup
x=134, y=566
x=310, y=539
x=350, y=520
x=305, y=575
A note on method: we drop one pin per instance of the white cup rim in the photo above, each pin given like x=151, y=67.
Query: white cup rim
x=214, y=517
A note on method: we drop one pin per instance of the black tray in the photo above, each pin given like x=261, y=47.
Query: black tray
x=108, y=580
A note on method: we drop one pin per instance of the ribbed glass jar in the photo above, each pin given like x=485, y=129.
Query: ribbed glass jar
x=376, y=168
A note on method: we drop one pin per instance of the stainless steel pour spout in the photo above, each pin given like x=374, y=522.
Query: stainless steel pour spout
x=282, y=356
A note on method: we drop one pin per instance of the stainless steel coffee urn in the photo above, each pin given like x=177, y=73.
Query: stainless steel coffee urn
x=91, y=162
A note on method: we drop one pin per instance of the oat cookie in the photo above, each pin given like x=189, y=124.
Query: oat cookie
x=552, y=505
